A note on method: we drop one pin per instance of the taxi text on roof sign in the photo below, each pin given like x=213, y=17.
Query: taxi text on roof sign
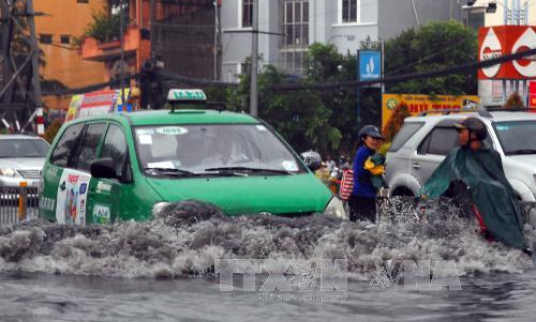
x=186, y=95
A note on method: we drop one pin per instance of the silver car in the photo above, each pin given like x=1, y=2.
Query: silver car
x=21, y=160
x=424, y=141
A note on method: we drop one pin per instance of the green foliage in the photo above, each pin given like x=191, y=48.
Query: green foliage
x=434, y=46
x=300, y=117
x=107, y=22
x=105, y=26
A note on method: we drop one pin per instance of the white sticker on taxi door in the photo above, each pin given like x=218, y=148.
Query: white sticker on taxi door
x=72, y=197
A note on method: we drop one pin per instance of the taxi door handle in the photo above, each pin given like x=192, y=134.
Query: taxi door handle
x=416, y=166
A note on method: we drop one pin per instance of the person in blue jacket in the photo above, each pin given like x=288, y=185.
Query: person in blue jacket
x=363, y=199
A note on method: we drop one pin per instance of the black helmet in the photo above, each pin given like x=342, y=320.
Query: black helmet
x=474, y=125
x=372, y=131
x=312, y=160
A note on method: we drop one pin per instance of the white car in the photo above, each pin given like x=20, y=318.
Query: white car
x=21, y=160
x=424, y=141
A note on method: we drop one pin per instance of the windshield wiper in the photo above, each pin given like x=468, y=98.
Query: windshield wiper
x=247, y=169
x=522, y=151
x=172, y=171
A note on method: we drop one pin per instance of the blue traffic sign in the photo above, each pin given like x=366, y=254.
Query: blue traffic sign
x=370, y=66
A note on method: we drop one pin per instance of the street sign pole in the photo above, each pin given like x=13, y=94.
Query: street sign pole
x=358, y=91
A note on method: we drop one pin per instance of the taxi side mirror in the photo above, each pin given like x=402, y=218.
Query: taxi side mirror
x=103, y=168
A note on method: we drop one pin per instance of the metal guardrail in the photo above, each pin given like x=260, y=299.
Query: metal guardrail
x=18, y=204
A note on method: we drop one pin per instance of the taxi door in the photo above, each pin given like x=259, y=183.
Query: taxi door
x=104, y=196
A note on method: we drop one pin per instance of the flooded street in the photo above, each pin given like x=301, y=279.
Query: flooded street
x=41, y=297
x=166, y=269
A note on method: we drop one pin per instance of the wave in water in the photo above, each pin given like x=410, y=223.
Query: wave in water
x=188, y=237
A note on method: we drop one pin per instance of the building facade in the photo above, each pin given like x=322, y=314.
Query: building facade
x=61, y=23
x=295, y=24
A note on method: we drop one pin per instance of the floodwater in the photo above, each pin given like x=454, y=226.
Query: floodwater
x=166, y=270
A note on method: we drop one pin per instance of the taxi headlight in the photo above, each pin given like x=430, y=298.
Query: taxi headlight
x=335, y=208
x=8, y=172
x=159, y=207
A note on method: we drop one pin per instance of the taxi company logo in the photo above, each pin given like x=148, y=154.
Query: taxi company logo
x=73, y=178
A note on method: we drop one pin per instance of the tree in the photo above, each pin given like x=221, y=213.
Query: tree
x=514, y=101
x=395, y=122
x=301, y=117
x=107, y=22
x=435, y=46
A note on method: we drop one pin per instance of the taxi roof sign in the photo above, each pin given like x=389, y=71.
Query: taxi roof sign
x=186, y=95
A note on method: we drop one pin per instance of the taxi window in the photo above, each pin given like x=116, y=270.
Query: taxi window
x=67, y=143
x=88, y=146
x=115, y=147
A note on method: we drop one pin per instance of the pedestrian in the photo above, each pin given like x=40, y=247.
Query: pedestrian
x=343, y=162
x=363, y=199
x=475, y=175
x=331, y=164
x=323, y=173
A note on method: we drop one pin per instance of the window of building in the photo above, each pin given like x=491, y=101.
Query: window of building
x=350, y=11
x=247, y=13
x=82, y=1
x=296, y=40
x=65, y=39
x=45, y=38
x=296, y=22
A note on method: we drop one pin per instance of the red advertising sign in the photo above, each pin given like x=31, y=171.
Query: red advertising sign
x=532, y=95
x=494, y=42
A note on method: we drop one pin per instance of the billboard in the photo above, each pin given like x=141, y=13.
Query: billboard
x=422, y=103
x=494, y=42
x=370, y=65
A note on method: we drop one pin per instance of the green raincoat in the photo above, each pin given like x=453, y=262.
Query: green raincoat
x=483, y=173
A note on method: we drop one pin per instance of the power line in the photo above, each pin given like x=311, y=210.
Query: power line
x=459, y=69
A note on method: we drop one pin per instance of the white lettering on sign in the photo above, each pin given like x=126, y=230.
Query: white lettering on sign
x=47, y=204
x=491, y=48
x=103, y=187
x=172, y=130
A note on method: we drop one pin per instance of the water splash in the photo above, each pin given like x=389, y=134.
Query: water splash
x=188, y=237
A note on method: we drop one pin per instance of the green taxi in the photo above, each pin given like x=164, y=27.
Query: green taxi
x=122, y=166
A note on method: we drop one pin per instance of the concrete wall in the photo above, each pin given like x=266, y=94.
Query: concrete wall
x=237, y=46
x=398, y=15
x=367, y=26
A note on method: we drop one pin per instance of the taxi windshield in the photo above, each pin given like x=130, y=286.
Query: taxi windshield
x=197, y=149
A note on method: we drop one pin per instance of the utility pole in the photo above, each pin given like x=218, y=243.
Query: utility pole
x=217, y=38
x=122, y=44
x=152, y=14
x=253, y=104
x=36, y=80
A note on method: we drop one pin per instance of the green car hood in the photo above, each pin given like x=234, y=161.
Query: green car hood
x=282, y=194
